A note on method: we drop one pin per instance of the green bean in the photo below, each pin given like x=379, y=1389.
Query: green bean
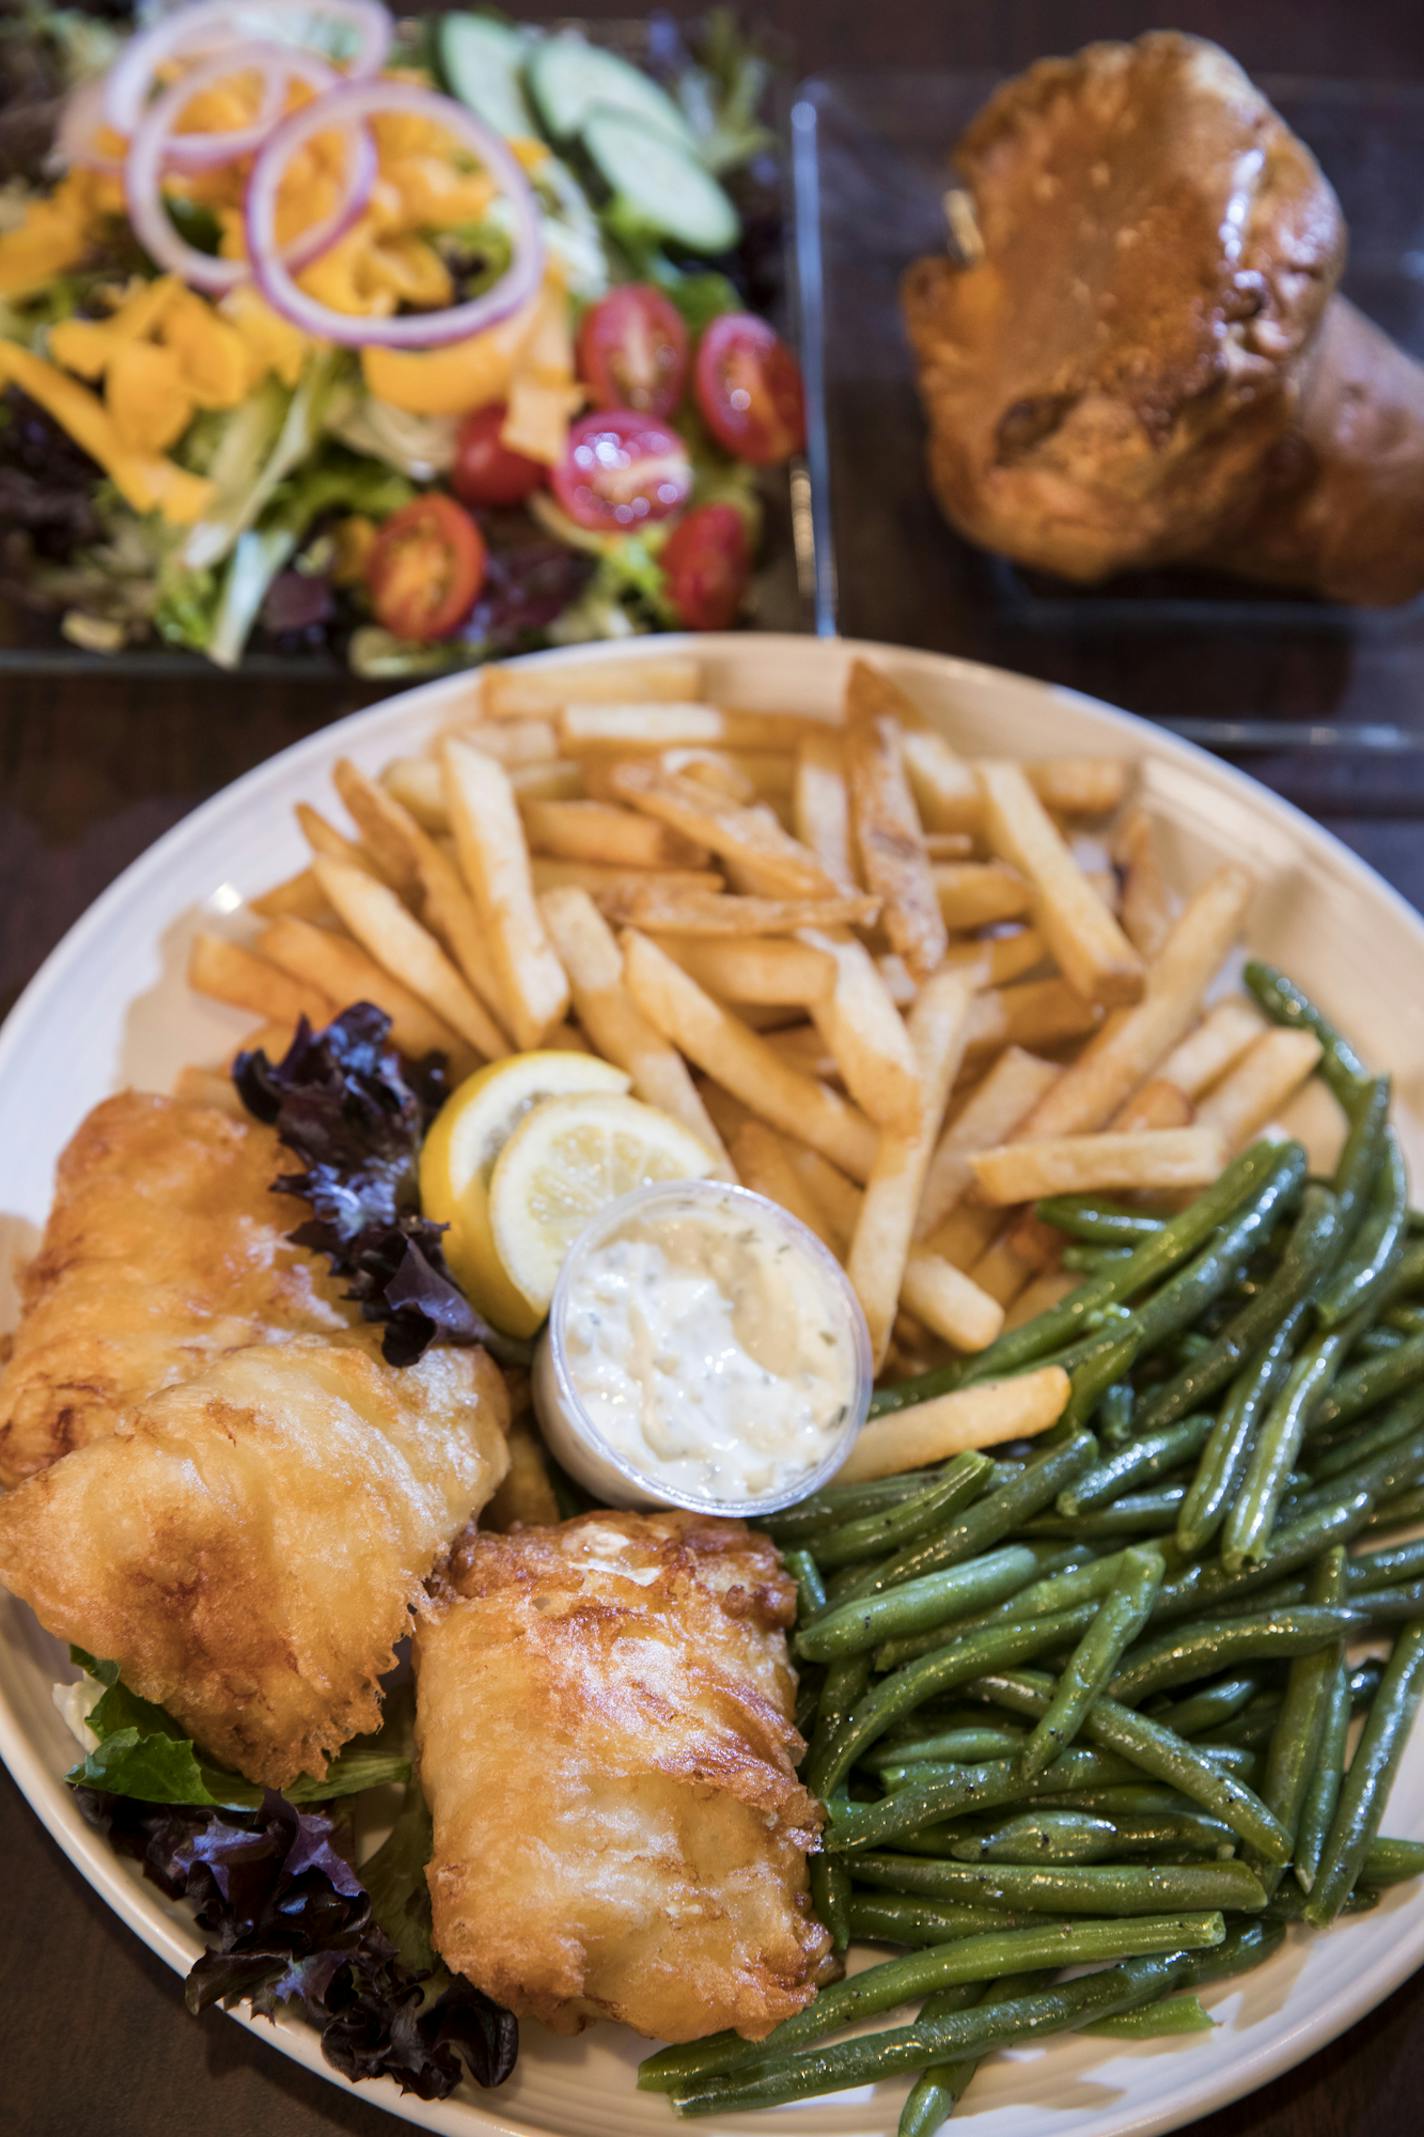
x=927, y=1793
x=1170, y=2019
x=842, y=1688
x=1392, y=1606
x=1376, y=1341
x=1051, y=1835
x=938, y=2090
x=1363, y=1277
x=1289, y=1904
x=774, y=2081
x=1303, y=1710
x=964, y=1747
x=810, y=1588
x=1187, y=1295
x=1254, y=1725
x=1085, y=1581
x=936, y=1599
x=1203, y=1711
x=1397, y=1422
x=1384, y=1474
x=1286, y=1003
x=1120, y=1618
x=1359, y=1159
x=926, y=1972
x=1228, y=1450
x=1070, y=1889
x=1327, y=1771
x=1367, y=1782
x=1389, y=1862
x=957, y=1662
x=1251, y=1520
x=1400, y=1512
x=1115, y=1414
x=1138, y=1513
x=958, y=1484
x=843, y=1502
x=830, y=1896
x=1206, y=1586
x=1107, y=1358
x=990, y=1519
x=1382, y=1568
x=896, y=1918
x=1308, y=1255
x=1148, y=1456
x=1156, y=1751
x=1077, y=1255
x=1365, y=1386
x=1192, y=1651
x=1262, y=1176
x=1104, y=1223
x=1409, y=1320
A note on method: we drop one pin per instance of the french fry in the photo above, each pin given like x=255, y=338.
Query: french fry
x=949, y=1302
x=997, y=960
x=1216, y=1045
x=965, y=1235
x=1159, y=1104
x=1080, y=786
x=1147, y=907
x=614, y=889
x=1084, y=1164
x=990, y=1115
x=772, y=862
x=1037, y=1012
x=1133, y=1044
x=513, y=743
x=821, y=805
x=888, y=835
x=409, y=952
x=347, y=973
x=602, y=831
x=520, y=693
x=976, y=894
x=329, y=844
x=1094, y=954
x=949, y=845
x=743, y=776
x=880, y=1245
x=865, y=1032
x=766, y=970
x=382, y=822
x=943, y=784
x=801, y=1047
x=594, y=729
x=526, y=1498
x=983, y=1416
x=900, y=983
x=762, y=1164
x=589, y=953
x=300, y=894
x=228, y=972
x=727, y=1050
x=1047, y=1289
x=1001, y=1271
x=1263, y=1079
x=494, y=862
x=418, y=784
x=665, y=908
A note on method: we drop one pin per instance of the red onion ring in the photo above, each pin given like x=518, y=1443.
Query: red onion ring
x=148, y=156
x=351, y=106
x=212, y=26
x=82, y=118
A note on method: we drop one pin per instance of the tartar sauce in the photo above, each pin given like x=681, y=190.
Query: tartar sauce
x=710, y=1343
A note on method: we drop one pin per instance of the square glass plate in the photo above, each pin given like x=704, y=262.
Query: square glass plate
x=783, y=586
x=1337, y=692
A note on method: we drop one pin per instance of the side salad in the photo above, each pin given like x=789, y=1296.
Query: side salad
x=424, y=341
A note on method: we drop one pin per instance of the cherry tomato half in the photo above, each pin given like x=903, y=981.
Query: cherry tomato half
x=622, y=471
x=426, y=568
x=749, y=390
x=632, y=351
x=487, y=472
x=706, y=564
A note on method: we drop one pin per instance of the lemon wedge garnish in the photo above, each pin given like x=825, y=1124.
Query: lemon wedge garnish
x=458, y=1158
x=564, y=1163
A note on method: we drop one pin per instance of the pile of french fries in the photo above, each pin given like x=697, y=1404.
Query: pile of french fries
x=875, y=976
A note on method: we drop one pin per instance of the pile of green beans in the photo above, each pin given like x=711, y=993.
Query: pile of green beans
x=1089, y=1702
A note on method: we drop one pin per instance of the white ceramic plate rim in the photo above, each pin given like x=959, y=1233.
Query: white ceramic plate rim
x=1278, y=2047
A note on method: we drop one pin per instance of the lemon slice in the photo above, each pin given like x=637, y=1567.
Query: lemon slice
x=459, y=1154
x=566, y=1161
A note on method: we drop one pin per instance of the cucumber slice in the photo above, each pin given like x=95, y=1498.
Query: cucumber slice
x=667, y=193
x=482, y=62
x=571, y=78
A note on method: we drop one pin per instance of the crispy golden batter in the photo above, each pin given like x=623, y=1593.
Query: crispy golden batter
x=249, y=1545
x=164, y=1246
x=603, y=1714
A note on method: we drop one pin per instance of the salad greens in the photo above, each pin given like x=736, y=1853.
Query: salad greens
x=315, y=445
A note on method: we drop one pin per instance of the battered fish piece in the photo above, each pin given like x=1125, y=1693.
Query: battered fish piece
x=249, y=1545
x=603, y=1713
x=165, y=1246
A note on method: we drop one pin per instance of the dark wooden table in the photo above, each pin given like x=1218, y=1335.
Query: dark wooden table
x=93, y=2036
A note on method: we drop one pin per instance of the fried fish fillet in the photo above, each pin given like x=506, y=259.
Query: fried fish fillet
x=249, y=1544
x=603, y=1713
x=165, y=1245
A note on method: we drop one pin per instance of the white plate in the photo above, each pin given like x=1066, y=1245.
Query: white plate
x=110, y=1007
